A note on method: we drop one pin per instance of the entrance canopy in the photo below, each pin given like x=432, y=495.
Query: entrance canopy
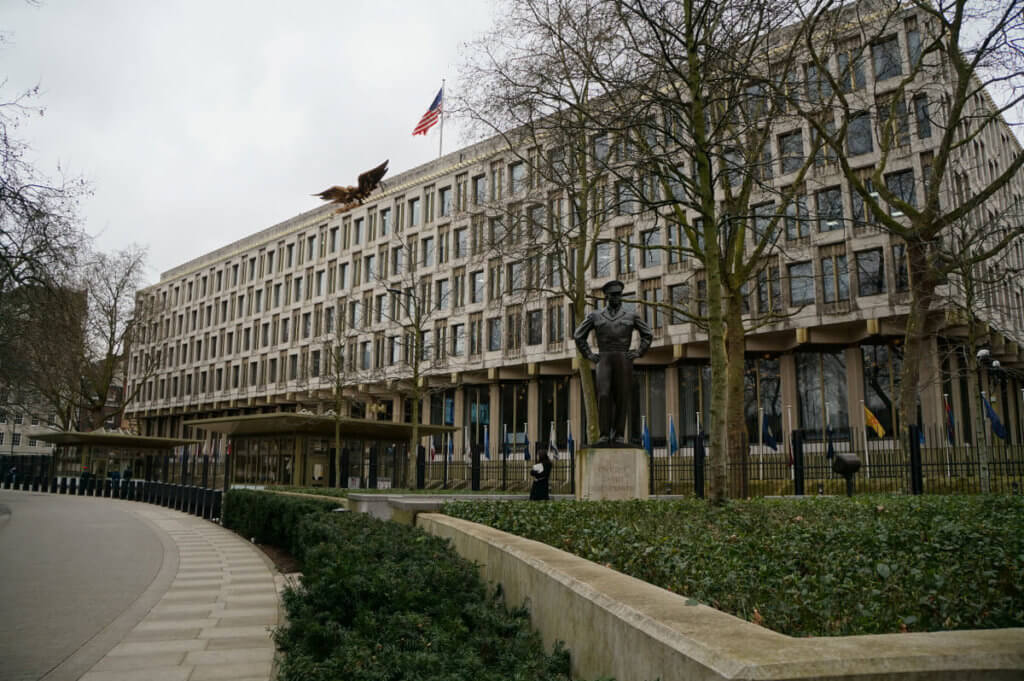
x=314, y=424
x=110, y=438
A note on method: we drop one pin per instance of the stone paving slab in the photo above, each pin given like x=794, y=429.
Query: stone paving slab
x=216, y=618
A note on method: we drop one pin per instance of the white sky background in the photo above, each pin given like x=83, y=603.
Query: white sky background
x=201, y=122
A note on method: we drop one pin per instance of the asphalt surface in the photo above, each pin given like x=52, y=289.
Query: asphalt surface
x=69, y=567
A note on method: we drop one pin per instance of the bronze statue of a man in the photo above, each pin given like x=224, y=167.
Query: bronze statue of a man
x=613, y=328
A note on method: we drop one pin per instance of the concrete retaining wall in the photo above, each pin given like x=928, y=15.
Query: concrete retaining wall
x=615, y=625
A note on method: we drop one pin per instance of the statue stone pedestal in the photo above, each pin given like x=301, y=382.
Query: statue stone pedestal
x=612, y=473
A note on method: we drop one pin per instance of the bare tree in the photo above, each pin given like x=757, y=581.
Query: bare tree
x=955, y=67
x=39, y=237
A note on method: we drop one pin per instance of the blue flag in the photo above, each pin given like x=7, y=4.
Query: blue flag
x=451, y=447
x=831, y=453
x=526, y=445
x=673, y=441
x=487, y=443
x=767, y=439
x=570, y=443
x=647, y=439
x=998, y=429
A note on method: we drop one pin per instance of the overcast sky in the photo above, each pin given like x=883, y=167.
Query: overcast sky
x=200, y=122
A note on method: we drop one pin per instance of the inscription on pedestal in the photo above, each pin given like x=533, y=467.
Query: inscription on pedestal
x=612, y=474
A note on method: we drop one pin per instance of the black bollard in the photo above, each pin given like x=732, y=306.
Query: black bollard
x=798, y=463
x=699, y=457
x=217, y=497
x=72, y=484
x=64, y=485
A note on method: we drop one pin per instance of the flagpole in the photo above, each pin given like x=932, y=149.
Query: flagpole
x=440, y=137
x=760, y=459
x=867, y=450
x=945, y=415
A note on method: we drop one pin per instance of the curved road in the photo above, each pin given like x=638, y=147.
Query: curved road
x=69, y=567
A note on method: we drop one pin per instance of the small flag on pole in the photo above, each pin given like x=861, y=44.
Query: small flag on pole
x=552, y=445
x=831, y=453
x=998, y=429
x=647, y=439
x=526, y=441
x=487, y=443
x=673, y=441
x=872, y=422
x=451, y=447
x=431, y=117
x=433, y=452
x=571, y=444
x=950, y=427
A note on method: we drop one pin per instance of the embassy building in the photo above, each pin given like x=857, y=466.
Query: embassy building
x=254, y=339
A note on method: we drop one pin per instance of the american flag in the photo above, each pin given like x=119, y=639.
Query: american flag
x=432, y=115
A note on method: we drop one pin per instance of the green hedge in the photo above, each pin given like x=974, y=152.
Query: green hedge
x=380, y=600
x=271, y=518
x=812, y=567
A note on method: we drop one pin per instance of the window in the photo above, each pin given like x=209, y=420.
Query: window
x=357, y=231
x=461, y=242
x=444, y=196
x=797, y=224
x=385, y=221
x=397, y=260
x=769, y=291
x=556, y=321
x=801, y=284
x=626, y=259
x=414, y=212
x=829, y=205
x=913, y=42
x=901, y=184
x=625, y=198
x=835, y=278
x=870, y=272
x=651, y=248
x=534, y=327
x=858, y=135
x=495, y=180
x=763, y=214
x=458, y=340
x=679, y=299
x=893, y=122
x=601, y=148
x=851, y=69
x=515, y=276
x=791, y=151
x=479, y=190
x=899, y=259
x=364, y=355
x=821, y=393
x=818, y=87
x=441, y=293
x=516, y=177
x=885, y=56
x=427, y=251
x=494, y=333
x=603, y=259
x=651, y=295
x=476, y=291
x=924, y=121
x=494, y=290
x=862, y=213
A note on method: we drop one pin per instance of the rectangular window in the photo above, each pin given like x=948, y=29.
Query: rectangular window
x=650, y=247
x=479, y=190
x=858, y=134
x=870, y=272
x=476, y=291
x=801, y=284
x=901, y=184
x=835, y=278
x=797, y=223
x=769, y=291
x=494, y=333
x=458, y=340
x=385, y=221
x=893, y=122
x=461, y=242
x=679, y=299
x=924, y=121
x=427, y=251
x=791, y=151
x=414, y=212
x=885, y=56
x=851, y=69
x=444, y=196
x=534, y=327
x=829, y=206
x=603, y=259
x=516, y=177
x=899, y=260
x=862, y=214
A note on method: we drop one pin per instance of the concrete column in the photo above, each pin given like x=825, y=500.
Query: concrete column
x=533, y=427
x=855, y=391
x=576, y=408
x=460, y=422
x=787, y=375
x=495, y=427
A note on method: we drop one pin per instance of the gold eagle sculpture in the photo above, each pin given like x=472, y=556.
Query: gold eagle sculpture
x=350, y=196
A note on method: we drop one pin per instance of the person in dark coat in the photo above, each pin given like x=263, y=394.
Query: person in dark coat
x=540, y=490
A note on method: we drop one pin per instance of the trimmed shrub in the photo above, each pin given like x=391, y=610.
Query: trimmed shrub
x=386, y=601
x=804, y=567
x=272, y=519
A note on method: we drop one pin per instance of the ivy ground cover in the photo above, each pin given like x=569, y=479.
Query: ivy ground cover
x=819, y=566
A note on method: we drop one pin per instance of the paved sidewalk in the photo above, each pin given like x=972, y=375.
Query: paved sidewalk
x=215, y=619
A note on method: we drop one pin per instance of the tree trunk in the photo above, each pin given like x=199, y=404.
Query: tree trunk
x=735, y=421
x=718, y=490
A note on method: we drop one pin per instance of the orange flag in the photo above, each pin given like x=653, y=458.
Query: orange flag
x=871, y=422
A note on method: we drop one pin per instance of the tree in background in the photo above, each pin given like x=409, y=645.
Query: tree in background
x=954, y=68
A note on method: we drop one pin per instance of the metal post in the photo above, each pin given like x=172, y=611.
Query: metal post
x=916, y=475
x=798, y=462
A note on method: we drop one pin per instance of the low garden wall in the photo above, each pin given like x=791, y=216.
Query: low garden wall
x=619, y=626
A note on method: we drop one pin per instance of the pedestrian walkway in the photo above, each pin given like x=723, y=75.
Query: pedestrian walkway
x=213, y=622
